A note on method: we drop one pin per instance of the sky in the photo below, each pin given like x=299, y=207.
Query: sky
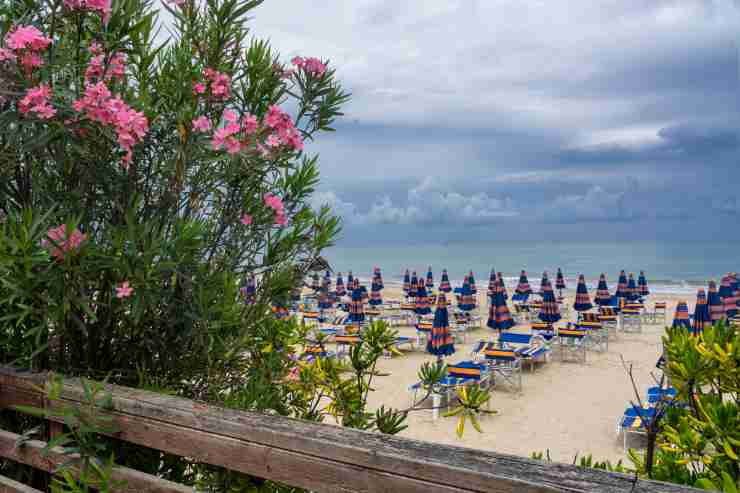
x=525, y=119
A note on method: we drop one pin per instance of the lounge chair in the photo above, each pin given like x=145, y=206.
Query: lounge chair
x=316, y=351
x=463, y=373
x=521, y=313
x=659, y=313
x=631, y=320
x=610, y=319
x=634, y=422
x=544, y=329
x=599, y=333
x=530, y=348
x=505, y=363
x=572, y=341
x=344, y=342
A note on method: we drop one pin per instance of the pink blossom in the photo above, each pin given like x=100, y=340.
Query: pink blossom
x=199, y=88
x=246, y=220
x=58, y=242
x=310, y=65
x=297, y=62
x=233, y=146
x=230, y=116
x=102, y=7
x=249, y=124
x=272, y=141
x=24, y=43
x=124, y=291
x=36, y=101
x=201, y=124
x=96, y=69
x=220, y=84
x=6, y=55
x=276, y=204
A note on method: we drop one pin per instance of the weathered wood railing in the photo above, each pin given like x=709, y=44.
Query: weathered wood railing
x=317, y=457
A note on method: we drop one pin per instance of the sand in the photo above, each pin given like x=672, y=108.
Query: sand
x=567, y=408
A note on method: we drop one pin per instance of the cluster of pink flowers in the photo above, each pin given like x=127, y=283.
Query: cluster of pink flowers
x=103, y=7
x=24, y=43
x=96, y=70
x=276, y=204
x=59, y=243
x=309, y=65
x=228, y=136
x=130, y=125
x=124, y=290
x=284, y=131
x=246, y=219
x=219, y=84
x=36, y=101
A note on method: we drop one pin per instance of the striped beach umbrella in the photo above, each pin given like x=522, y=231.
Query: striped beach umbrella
x=716, y=307
x=492, y=280
x=550, y=312
x=502, y=286
x=339, y=289
x=499, y=317
x=414, y=285
x=406, y=282
x=350, y=281
x=583, y=301
x=430, y=279
x=560, y=281
x=603, y=297
x=642, y=284
x=378, y=278
x=471, y=281
x=681, y=317
x=467, y=300
x=622, y=286
x=444, y=285
x=325, y=301
x=315, y=282
x=327, y=279
x=701, y=313
x=736, y=289
x=356, y=306
x=633, y=294
x=375, y=288
x=439, y=340
x=365, y=294
x=249, y=290
x=421, y=303
x=727, y=295
x=523, y=287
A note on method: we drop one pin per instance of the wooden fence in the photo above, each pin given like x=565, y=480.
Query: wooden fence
x=318, y=457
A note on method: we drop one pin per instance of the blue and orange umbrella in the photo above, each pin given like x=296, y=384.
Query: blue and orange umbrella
x=492, y=285
x=523, y=288
x=642, y=285
x=622, y=291
x=560, y=281
x=502, y=285
x=406, y=282
x=378, y=278
x=467, y=301
x=325, y=301
x=550, y=312
x=603, y=296
x=375, y=288
x=430, y=279
x=327, y=280
x=716, y=307
x=356, y=305
x=339, y=289
x=702, y=319
x=583, y=301
x=633, y=294
x=471, y=281
x=444, y=284
x=681, y=317
x=315, y=282
x=350, y=281
x=439, y=341
x=499, y=317
x=727, y=295
x=421, y=303
x=414, y=285
x=280, y=310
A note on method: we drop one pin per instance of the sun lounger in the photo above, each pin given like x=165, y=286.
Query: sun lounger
x=598, y=333
x=572, y=341
x=659, y=313
x=631, y=320
x=316, y=351
x=610, y=319
x=521, y=313
x=505, y=363
x=634, y=421
x=544, y=329
x=345, y=342
x=530, y=348
x=463, y=373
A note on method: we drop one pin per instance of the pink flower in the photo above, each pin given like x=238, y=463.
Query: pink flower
x=276, y=204
x=6, y=55
x=201, y=124
x=246, y=220
x=297, y=62
x=199, y=88
x=36, y=101
x=272, y=141
x=249, y=123
x=230, y=116
x=310, y=65
x=179, y=3
x=103, y=7
x=220, y=84
x=26, y=38
x=124, y=291
x=233, y=146
x=58, y=242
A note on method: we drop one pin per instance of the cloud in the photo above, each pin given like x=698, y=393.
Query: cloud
x=596, y=204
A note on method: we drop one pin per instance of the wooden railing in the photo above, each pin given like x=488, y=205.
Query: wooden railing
x=318, y=457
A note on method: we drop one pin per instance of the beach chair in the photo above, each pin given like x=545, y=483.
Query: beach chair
x=530, y=348
x=660, y=313
x=423, y=329
x=521, y=313
x=544, y=329
x=598, y=334
x=504, y=363
x=634, y=421
x=345, y=342
x=572, y=341
x=631, y=320
x=315, y=351
x=463, y=373
x=609, y=319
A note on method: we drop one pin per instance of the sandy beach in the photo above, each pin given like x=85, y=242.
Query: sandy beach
x=567, y=408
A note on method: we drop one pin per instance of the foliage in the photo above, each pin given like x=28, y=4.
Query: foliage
x=585, y=461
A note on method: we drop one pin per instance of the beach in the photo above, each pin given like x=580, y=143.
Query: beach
x=566, y=408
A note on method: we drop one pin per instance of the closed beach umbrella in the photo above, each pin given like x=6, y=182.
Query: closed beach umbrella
x=375, y=288
x=642, y=284
x=324, y=300
x=249, y=290
x=471, y=280
x=560, y=281
x=422, y=305
x=406, y=282
x=716, y=307
x=502, y=286
x=681, y=317
x=315, y=282
x=327, y=280
x=365, y=294
x=350, y=281
x=603, y=297
x=622, y=286
x=467, y=301
x=701, y=313
x=727, y=295
x=430, y=279
x=632, y=292
x=444, y=285
x=499, y=317
x=339, y=290
x=523, y=287
x=439, y=340
x=736, y=288
x=356, y=306
x=492, y=284
x=414, y=285
x=378, y=278
x=550, y=312
x=583, y=302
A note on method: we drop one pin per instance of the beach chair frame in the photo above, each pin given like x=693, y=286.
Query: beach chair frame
x=504, y=363
x=631, y=321
x=572, y=342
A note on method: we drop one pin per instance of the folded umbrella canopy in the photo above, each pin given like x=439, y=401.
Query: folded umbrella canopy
x=375, y=288
x=702, y=319
x=471, y=280
x=716, y=307
x=550, y=312
x=378, y=278
x=499, y=317
x=560, y=281
x=444, y=285
x=502, y=285
x=339, y=289
x=492, y=281
x=467, y=301
x=439, y=340
x=406, y=282
x=583, y=301
x=430, y=279
x=727, y=295
x=633, y=294
x=414, y=285
x=325, y=301
x=356, y=305
x=421, y=303
x=681, y=317
x=642, y=286
x=350, y=281
x=523, y=290
x=622, y=286
x=249, y=290
x=603, y=297
x=315, y=282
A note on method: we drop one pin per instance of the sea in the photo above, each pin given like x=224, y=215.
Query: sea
x=671, y=267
